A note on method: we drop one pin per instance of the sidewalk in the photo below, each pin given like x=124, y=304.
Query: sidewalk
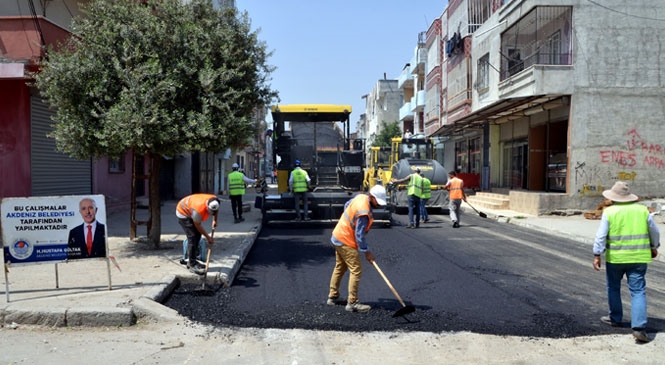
x=146, y=277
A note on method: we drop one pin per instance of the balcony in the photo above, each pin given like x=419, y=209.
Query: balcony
x=539, y=80
x=405, y=79
x=419, y=61
x=418, y=101
x=537, y=39
x=405, y=112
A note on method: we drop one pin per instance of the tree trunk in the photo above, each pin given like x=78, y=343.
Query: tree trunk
x=154, y=236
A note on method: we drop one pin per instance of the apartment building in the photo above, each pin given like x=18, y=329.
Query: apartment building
x=381, y=107
x=550, y=102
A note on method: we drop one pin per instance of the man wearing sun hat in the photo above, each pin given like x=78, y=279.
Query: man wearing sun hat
x=630, y=239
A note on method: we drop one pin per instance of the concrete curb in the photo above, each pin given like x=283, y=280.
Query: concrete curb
x=63, y=317
x=148, y=305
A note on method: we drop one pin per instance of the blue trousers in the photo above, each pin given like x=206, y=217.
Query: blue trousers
x=414, y=208
x=635, y=275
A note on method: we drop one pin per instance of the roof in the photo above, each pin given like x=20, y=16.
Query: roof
x=311, y=112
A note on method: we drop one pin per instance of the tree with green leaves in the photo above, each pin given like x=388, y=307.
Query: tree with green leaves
x=156, y=77
x=386, y=134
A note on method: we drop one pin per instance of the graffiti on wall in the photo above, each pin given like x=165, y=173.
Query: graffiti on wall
x=639, y=153
x=593, y=179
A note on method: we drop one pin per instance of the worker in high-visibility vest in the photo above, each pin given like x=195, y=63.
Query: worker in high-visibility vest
x=299, y=184
x=426, y=194
x=629, y=238
x=192, y=211
x=455, y=186
x=348, y=238
x=237, y=181
x=413, y=192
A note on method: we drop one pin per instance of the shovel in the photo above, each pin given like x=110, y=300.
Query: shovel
x=481, y=214
x=203, y=289
x=406, y=309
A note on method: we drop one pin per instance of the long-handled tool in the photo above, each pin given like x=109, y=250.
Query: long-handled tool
x=481, y=214
x=406, y=309
x=205, y=272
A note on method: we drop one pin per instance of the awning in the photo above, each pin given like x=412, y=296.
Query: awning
x=496, y=113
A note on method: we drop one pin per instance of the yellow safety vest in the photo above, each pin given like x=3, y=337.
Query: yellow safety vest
x=415, y=186
x=236, y=183
x=427, y=188
x=299, y=181
x=628, y=237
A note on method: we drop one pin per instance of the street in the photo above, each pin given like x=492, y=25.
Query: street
x=486, y=277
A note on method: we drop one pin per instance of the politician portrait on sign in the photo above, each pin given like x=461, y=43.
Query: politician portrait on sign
x=88, y=239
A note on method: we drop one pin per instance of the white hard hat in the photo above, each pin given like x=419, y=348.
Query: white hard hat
x=379, y=193
x=235, y=165
x=213, y=205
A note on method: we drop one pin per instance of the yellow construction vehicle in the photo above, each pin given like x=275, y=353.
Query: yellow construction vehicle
x=378, y=170
x=318, y=137
x=406, y=155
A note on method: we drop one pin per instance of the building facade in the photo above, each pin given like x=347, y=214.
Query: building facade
x=25, y=122
x=547, y=102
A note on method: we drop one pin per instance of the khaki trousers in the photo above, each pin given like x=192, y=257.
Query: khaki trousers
x=346, y=258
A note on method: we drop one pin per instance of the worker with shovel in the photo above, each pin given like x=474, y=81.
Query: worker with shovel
x=348, y=238
x=192, y=211
x=455, y=186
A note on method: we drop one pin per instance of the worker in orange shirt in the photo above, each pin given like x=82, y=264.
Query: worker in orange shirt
x=455, y=186
x=192, y=211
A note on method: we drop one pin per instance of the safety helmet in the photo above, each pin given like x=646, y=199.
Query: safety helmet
x=297, y=163
x=213, y=205
x=235, y=165
x=379, y=193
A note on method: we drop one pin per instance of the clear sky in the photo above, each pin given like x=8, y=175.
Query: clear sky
x=334, y=51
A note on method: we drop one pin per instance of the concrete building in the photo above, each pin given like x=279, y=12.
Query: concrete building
x=381, y=107
x=412, y=83
x=551, y=101
x=26, y=29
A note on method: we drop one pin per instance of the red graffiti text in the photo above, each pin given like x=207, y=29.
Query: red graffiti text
x=622, y=158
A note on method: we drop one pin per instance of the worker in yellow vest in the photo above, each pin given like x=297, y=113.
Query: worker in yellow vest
x=348, y=238
x=426, y=194
x=629, y=238
x=455, y=186
x=299, y=184
x=413, y=192
x=237, y=181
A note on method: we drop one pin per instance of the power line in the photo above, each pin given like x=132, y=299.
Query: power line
x=624, y=13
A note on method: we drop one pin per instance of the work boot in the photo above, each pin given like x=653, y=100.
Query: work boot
x=241, y=219
x=641, y=336
x=609, y=321
x=236, y=220
x=196, y=268
x=357, y=307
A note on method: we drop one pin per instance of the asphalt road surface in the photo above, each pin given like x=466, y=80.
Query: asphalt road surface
x=485, y=277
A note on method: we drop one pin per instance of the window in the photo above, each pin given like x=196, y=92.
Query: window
x=482, y=84
x=515, y=63
x=117, y=165
x=553, y=49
